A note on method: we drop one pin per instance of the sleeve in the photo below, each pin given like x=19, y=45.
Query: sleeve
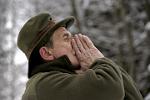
x=102, y=82
x=131, y=90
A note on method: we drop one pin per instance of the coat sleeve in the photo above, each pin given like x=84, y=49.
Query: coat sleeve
x=131, y=90
x=102, y=82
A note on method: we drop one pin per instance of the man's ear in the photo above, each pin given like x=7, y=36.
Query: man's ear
x=46, y=54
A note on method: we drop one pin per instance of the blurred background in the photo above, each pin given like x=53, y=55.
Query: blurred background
x=119, y=28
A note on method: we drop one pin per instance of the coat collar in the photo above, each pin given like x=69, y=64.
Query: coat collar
x=61, y=64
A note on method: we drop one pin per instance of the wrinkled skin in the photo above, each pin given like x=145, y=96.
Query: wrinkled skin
x=85, y=51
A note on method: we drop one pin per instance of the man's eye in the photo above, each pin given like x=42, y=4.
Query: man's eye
x=66, y=39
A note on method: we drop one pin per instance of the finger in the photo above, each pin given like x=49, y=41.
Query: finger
x=79, y=44
x=74, y=45
x=83, y=42
x=88, y=41
x=79, y=71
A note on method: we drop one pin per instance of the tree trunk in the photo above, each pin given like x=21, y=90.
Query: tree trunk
x=131, y=58
x=75, y=13
x=122, y=30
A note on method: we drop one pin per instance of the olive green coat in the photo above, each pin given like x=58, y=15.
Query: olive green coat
x=104, y=81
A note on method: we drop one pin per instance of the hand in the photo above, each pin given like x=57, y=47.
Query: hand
x=85, y=51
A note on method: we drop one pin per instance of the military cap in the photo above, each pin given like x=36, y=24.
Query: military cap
x=38, y=30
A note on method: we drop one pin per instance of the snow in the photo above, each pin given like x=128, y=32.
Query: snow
x=149, y=67
x=20, y=58
x=147, y=97
x=147, y=27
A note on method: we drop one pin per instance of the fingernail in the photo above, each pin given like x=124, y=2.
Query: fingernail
x=84, y=35
x=72, y=39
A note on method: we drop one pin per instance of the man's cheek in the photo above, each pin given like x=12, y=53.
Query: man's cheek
x=61, y=53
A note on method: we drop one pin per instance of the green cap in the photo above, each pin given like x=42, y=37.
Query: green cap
x=38, y=30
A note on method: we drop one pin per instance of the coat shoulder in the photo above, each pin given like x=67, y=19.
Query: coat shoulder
x=31, y=86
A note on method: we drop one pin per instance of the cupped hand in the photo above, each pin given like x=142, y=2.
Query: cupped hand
x=85, y=50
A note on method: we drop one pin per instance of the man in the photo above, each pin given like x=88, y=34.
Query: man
x=66, y=67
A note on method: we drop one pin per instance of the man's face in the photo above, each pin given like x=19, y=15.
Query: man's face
x=62, y=45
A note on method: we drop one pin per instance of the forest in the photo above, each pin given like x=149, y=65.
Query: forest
x=120, y=29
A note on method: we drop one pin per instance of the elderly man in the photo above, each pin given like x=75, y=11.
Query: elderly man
x=66, y=67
